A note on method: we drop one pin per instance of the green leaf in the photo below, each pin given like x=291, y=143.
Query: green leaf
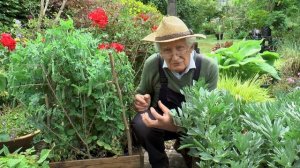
x=185, y=146
x=104, y=145
x=250, y=48
x=4, y=137
x=13, y=162
x=270, y=57
x=269, y=69
x=2, y=81
x=43, y=156
x=205, y=156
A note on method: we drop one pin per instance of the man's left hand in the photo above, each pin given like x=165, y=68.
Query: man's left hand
x=164, y=121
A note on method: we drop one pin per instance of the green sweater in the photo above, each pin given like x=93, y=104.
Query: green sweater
x=150, y=84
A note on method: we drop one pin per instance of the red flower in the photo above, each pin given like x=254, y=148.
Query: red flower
x=99, y=17
x=144, y=17
x=118, y=47
x=103, y=46
x=154, y=28
x=7, y=41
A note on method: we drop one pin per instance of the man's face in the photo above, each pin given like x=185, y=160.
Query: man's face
x=176, y=54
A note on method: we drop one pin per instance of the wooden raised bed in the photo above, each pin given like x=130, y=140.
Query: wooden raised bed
x=133, y=161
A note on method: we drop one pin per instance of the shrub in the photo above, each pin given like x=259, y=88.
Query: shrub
x=221, y=131
x=66, y=83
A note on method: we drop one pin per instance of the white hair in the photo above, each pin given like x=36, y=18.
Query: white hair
x=188, y=40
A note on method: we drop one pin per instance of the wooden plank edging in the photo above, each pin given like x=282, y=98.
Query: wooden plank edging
x=133, y=161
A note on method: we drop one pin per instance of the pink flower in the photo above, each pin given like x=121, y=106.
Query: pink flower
x=118, y=47
x=99, y=17
x=290, y=80
x=298, y=74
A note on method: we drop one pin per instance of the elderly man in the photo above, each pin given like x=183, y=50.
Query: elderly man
x=164, y=74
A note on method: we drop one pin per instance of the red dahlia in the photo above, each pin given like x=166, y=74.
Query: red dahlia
x=7, y=41
x=99, y=17
x=103, y=46
x=118, y=47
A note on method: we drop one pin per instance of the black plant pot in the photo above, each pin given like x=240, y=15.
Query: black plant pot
x=219, y=36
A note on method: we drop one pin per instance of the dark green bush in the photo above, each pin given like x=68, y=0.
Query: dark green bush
x=17, y=9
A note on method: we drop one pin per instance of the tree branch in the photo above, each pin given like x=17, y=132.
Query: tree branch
x=60, y=11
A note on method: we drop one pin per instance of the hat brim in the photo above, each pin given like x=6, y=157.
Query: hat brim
x=151, y=38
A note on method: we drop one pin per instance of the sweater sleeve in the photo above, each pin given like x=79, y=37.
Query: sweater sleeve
x=213, y=76
x=148, y=73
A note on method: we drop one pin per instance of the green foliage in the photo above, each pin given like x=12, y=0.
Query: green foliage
x=209, y=118
x=66, y=83
x=159, y=4
x=258, y=18
x=14, y=123
x=127, y=16
x=222, y=131
x=16, y=9
x=277, y=123
x=136, y=7
x=243, y=58
x=249, y=90
x=27, y=159
x=122, y=15
x=2, y=81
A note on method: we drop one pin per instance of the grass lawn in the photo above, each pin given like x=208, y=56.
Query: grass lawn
x=207, y=44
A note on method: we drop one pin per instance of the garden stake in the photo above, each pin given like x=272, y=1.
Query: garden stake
x=116, y=82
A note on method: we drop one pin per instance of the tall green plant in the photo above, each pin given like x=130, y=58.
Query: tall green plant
x=66, y=83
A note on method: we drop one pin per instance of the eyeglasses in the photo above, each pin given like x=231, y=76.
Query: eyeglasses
x=168, y=52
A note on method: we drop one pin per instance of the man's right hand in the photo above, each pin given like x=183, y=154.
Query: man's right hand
x=142, y=102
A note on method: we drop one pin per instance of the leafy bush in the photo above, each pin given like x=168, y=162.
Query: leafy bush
x=66, y=83
x=243, y=58
x=25, y=159
x=222, y=131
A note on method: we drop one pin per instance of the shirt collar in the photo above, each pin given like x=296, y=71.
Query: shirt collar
x=192, y=65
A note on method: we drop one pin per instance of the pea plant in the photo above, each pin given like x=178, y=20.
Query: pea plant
x=66, y=83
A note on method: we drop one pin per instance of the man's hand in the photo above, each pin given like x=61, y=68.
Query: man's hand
x=142, y=102
x=164, y=121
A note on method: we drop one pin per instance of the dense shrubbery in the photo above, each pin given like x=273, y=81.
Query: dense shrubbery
x=16, y=9
x=66, y=83
x=223, y=131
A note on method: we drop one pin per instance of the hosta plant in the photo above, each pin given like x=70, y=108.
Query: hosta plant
x=66, y=83
x=245, y=60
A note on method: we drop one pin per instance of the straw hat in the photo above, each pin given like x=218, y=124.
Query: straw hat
x=171, y=28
